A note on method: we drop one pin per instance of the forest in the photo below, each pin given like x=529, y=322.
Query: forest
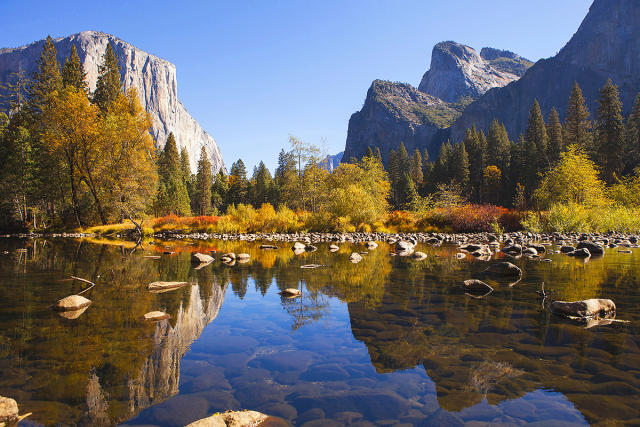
x=80, y=160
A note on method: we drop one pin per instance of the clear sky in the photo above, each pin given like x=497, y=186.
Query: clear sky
x=253, y=72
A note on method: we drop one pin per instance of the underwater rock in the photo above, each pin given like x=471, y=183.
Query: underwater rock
x=503, y=269
x=475, y=285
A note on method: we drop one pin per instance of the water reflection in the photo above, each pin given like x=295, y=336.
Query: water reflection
x=389, y=338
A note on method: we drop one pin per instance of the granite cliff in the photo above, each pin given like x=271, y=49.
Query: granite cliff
x=420, y=118
x=153, y=77
x=607, y=45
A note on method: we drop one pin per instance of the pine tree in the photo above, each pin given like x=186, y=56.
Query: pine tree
x=108, y=85
x=415, y=168
x=173, y=197
x=219, y=191
x=529, y=174
x=393, y=170
x=73, y=74
x=262, y=183
x=378, y=154
x=498, y=146
x=46, y=80
x=576, y=123
x=238, y=183
x=187, y=178
x=554, y=132
x=460, y=167
x=632, y=138
x=403, y=158
x=406, y=190
x=204, y=182
x=536, y=133
x=285, y=179
x=441, y=169
x=477, y=153
x=369, y=152
x=609, y=141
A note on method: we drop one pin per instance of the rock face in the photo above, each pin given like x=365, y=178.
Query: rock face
x=607, y=45
x=395, y=112
x=153, y=77
x=460, y=71
x=420, y=118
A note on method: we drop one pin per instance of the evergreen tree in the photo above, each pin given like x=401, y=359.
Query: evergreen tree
x=554, y=132
x=632, y=138
x=529, y=174
x=536, y=133
x=378, y=154
x=73, y=74
x=477, y=153
x=609, y=142
x=415, y=168
x=108, y=85
x=369, y=152
x=441, y=170
x=262, y=185
x=498, y=146
x=393, y=170
x=219, y=191
x=406, y=190
x=238, y=183
x=403, y=158
x=285, y=179
x=204, y=182
x=46, y=80
x=460, y=167
x=172, y=195
x=576, y=123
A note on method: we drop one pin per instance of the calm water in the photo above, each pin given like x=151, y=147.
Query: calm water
x=388, y=341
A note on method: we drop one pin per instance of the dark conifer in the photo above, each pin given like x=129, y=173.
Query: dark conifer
x=576, y=123
x=609, y=141
x=536, y=133
x=204, y=182
x=73, y=74
x=108, y=85
x=46, y=79
x=554, y=132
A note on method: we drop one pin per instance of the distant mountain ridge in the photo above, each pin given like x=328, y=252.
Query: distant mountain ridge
x=420, y=118
x=153, y=77
x=606, y=45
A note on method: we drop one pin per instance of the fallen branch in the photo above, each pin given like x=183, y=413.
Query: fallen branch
x=86, y=281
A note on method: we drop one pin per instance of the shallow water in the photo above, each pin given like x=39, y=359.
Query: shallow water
x=387, y=341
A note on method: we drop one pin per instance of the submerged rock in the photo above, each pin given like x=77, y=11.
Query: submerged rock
x=154, y=316
x=8, y=410
x=291, y=293
x=580, y=253
x=418, y=255
x=371, y=245
x=587, y=308
x=159, y=287
x=233, y=419
x=505, y=269
x=72, y=302
x=297, y=246
x=475, y=285
x=404, y=246
x=334, y=248
x=355, y=257
x=268, y=247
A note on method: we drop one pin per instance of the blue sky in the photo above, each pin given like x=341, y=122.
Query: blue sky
x=253, y=72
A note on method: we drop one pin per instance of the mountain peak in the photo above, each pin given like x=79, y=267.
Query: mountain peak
x=459, y=71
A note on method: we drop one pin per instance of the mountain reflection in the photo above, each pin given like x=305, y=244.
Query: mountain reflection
x=498, y=354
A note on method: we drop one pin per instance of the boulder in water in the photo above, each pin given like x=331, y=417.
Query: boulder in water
x=8, y=411
x=291, y=293
x=419, y=256
x=159, y=287
x=155, y=316
x=238, y=419
x=72, y=302
x=355, y=257
x=584, y=309
x=198, y=258
x=594, y=249
x=475, y=285
x=504, y=269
